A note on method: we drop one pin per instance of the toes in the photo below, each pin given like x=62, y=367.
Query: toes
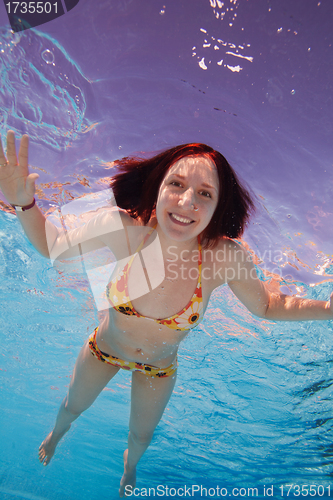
x=44, y=460
x=42, y=455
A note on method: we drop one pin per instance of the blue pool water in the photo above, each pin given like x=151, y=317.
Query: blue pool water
x=252, y=406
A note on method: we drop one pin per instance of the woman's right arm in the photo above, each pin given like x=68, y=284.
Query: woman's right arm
x=18, y=186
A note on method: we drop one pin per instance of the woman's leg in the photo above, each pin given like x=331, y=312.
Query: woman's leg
x=148, y=400
x=89, y=378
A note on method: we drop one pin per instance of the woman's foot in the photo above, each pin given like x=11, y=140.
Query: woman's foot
x=48, y=446
x=128, y=479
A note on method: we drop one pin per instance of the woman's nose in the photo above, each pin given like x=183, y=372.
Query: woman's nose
x=186, y=198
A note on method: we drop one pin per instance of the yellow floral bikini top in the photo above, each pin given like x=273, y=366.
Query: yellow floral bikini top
x=189, y=317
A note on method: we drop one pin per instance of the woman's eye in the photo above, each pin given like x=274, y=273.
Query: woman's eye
x=175, y=183
x=206, y=194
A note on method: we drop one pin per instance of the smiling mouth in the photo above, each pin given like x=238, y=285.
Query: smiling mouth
x=180, y=219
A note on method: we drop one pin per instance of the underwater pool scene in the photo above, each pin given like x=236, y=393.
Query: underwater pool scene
x=252, y=408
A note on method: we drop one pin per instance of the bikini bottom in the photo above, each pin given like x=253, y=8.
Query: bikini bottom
x=151, y=371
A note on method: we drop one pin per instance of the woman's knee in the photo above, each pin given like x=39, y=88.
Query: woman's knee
x=141, y=437
x=72, y=408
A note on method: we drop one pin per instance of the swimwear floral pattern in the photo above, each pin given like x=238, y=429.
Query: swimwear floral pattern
x=117, y=293
x=151, y=371
x=189, y=317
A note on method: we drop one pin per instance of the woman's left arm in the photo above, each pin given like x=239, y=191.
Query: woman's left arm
x=262, y=302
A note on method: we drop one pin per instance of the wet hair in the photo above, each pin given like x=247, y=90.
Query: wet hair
x=137, y=185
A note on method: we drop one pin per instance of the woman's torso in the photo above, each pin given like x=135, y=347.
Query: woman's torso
x=140, y=336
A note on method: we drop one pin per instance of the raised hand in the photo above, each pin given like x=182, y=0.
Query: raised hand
x=16, y=183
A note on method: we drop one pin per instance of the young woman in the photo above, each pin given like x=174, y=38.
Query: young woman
x=189, y=200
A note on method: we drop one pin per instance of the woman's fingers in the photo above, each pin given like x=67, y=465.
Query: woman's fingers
x=30, y=184
x=11, y=156
x=3, y=158
x=16, y=183
x=23, y=151
x=11, y=151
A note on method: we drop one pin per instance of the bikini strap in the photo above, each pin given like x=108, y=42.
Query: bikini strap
x=200, y=260
x=145, y=238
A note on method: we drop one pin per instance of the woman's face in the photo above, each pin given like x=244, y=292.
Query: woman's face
x=187, y=197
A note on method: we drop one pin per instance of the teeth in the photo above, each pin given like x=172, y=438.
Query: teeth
x=181, y=219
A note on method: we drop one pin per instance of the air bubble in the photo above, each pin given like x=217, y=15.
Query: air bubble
x=48, y=56
x=16, y=37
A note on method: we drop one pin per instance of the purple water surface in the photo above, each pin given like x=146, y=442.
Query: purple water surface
x=252, y=79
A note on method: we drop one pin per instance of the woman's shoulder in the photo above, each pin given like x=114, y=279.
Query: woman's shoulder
x=227, y=253
x=115, y=217
x=228, y=249
x=225, y=260
x=116, y=226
